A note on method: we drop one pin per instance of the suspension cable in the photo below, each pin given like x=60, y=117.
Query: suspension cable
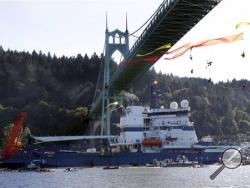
x=138, y=29
x=99, y=75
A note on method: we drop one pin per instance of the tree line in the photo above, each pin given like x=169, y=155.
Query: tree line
x=56, y=92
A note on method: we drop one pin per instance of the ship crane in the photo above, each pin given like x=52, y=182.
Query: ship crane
x=11, y=145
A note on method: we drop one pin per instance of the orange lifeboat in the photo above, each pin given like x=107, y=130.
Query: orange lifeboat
x=151, y=142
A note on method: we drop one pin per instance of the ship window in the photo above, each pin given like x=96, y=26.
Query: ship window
x=147, y=121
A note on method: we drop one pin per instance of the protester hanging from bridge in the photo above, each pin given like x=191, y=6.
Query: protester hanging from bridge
x=191, y=57
x=209, y=63
x=237, y=26
x=243, y=54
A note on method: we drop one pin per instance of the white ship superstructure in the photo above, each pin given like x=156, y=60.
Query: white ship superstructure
x=170, y=127
x=155, y=130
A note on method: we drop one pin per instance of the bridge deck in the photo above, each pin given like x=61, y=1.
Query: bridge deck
x=172, y=20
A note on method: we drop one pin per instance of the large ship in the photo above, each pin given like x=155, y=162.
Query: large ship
x=145, y=135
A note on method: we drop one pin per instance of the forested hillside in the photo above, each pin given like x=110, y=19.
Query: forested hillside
x=221, y=109
x=55, y=92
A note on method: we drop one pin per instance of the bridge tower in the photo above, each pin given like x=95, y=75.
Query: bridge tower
x=114, y=40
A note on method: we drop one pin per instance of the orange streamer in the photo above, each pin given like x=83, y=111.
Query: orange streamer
x=210, y=42
x=185, y=46
x=227, y=39
x=178, y=54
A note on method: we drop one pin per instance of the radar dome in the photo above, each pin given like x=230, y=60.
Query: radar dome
x=184, y=103
x=173, y=105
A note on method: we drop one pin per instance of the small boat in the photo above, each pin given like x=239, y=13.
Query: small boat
x=3, y=169
x=32, y=166
x=110, y=167
x=70, y=169
x=182, y=162
x=176, y=164
x=43, y=170
x=149, y=165
x=179, y=163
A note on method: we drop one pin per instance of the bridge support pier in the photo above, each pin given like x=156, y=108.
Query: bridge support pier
x=111, y=45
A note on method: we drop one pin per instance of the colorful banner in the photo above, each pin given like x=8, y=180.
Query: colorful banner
x=227, y=39
x=238, y=25
x=164, y=47
x=183, y=49
x=142, y=60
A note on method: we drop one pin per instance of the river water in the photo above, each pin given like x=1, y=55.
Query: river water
x=131, y=177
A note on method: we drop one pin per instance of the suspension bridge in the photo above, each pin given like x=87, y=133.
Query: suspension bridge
x=168, y=24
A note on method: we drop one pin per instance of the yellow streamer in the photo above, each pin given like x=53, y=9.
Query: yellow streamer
x=238, y=25
x=166, y=46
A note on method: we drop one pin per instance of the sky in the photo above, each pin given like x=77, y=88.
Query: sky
x=70, y=27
